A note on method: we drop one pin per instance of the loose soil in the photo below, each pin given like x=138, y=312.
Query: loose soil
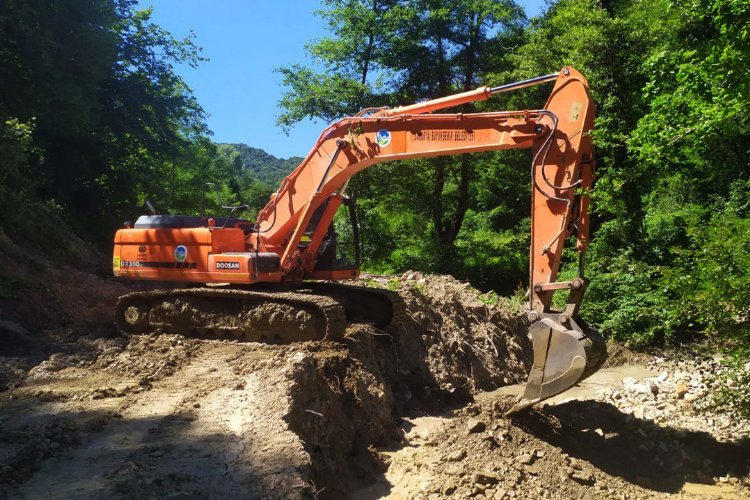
x=414, y=411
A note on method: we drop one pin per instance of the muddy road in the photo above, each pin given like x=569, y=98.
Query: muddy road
x=416, y=412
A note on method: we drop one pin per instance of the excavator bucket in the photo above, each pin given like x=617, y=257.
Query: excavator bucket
x=563, y=357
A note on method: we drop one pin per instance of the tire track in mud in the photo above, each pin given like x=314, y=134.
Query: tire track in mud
x=203, y=431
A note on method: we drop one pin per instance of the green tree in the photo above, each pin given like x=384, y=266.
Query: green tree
x=672, y=144
x=110, y=112
x=347, y=72
x=416, y=50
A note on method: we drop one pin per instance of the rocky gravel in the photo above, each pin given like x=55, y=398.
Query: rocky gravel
x=578, y=448
x=681, y=395
x=648, y=429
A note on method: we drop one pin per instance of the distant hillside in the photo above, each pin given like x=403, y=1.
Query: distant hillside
x=262, y=166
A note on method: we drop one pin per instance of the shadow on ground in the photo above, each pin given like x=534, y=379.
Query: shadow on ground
x=98, y=455
x=641, y=452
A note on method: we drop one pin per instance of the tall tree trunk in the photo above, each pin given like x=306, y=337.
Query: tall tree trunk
x=448, y=228
x=368, y=55
x=440, y=165
x=368, y=48
x=463, y=200
x=437, y=199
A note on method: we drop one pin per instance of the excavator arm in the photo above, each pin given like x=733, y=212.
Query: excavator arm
x=561, y=173
x=562, y=170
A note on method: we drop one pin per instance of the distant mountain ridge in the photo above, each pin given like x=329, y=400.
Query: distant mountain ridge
x=262, y=166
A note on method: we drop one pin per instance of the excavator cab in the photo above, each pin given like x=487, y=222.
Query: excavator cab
x=340, y=251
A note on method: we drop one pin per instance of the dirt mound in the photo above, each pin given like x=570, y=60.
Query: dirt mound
x=458, y=339
x=40, y=292
x=578, y=449
x=147, y=357
x=294, y=420
x=347, y=397
x=90, y=413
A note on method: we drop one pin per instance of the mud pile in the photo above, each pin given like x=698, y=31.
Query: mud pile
x=88, y=412
x=347, y=397
x=576, y=449
x=458, y=339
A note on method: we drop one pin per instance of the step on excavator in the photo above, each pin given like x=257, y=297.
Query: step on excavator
x=274, y=279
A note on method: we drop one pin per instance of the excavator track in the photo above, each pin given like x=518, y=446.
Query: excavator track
x=382, y=308
x=272, y=317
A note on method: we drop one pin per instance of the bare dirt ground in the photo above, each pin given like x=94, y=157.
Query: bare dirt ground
x=415, y=412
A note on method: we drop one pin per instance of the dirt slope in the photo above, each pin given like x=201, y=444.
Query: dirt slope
x=105, y=415
x=87, y=413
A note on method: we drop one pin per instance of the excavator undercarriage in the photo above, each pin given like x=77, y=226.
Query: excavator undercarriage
x=314, y=311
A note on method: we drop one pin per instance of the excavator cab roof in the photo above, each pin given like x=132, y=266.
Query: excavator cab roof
x=182, y=221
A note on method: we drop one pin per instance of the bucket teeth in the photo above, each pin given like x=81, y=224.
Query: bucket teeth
x=563, y=357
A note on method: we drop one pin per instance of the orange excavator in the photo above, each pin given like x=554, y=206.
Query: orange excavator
x=274, y=279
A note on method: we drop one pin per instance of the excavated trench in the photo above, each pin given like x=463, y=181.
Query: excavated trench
x=347, y=397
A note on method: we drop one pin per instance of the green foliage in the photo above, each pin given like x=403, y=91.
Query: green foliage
x=717, y=293
x=41, y=224
x=694, y=277
x=94, y=121
x=393, y=284
x=16, y=181
x=668, y=260
x=492, y=258
x=734, y=391
x=321, y=96
x=392, y=52
x=351, y=60
x=260, y=166
x=669, y=254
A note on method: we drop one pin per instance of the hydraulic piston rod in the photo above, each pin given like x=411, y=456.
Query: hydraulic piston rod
x=524, y=83
x=480, y=94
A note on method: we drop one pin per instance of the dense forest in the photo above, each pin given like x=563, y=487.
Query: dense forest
x=670, y=257
x=262, y=166
x=94, y=120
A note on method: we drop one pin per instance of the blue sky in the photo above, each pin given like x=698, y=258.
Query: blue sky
x=244, y=42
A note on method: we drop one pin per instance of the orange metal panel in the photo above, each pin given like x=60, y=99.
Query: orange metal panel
x=552, y=208
x=194, y=236
x=174, y=254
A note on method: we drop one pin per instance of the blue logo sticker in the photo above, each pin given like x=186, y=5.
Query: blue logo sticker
x=383, y=138
x=180, y=253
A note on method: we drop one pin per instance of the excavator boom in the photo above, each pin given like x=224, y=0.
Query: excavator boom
x=293, y=237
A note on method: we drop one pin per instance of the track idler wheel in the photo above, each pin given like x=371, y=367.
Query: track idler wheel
x=132, y=316
x=564, y=355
